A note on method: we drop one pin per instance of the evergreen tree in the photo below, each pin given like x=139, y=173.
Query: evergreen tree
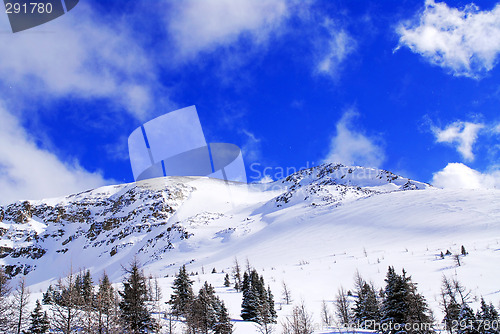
x=251, y=296
x=403, y=307
x=258, y=302
x=133, y=307
x=227, y=283
x=488, y=318
x=463, y=251
x=39, y=321
x=203, y=315
x=467, y=323
x=182, y=296
x=48, y=295
x=223, y=324
x=394, y=305
x=107, y=319
x=87, y=288
x=366, y=311
x=272, y=311
x=419, y=314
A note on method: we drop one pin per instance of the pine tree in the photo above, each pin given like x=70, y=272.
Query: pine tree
x=48, y=295
x=272, y=310
x=223, y=324
x=488, y=318
x=258, y=302
x=251, y=296
x=394, y=305
x=366, y=311
x=39, y=321
x=133, y=307
x=182, y=296
x=463, y=251
x=203, y=315
x=107, y=319
x=227, y=283
x=419, y=314
x=467, y=322
x=87, y=288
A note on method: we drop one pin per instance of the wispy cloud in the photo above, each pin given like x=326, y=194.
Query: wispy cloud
x=81, y=55
x=197, y=26
x=462, y=135
x=29, y=172
x=333, y=49
x=464, y=41
x=351, y=146
x=460, y=176
x=251, y=148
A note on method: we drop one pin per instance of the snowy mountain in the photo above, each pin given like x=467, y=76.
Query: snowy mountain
x=317, y=226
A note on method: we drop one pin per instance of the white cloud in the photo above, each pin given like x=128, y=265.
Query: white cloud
x=461, y=134
x=265, y=179
x=465, y=42
x=352, y=147
x=80, y=55
x=334, y=49
x=28, y=172
x=460, y=176
x=204, y=25
x=251, y=148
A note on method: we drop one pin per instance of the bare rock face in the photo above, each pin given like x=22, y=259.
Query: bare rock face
x=100, y=218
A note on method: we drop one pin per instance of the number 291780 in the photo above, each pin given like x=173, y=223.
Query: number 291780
x=28, y=8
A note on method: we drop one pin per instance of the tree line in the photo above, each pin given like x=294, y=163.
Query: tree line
x=206, y=313
x=76, y=304
x=400, y=308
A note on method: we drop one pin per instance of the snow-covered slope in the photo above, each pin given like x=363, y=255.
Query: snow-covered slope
x=313, y=230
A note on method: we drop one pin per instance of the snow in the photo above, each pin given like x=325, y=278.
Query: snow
x=333, y=225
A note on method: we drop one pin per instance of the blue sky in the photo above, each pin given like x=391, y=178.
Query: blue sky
x=408, y=86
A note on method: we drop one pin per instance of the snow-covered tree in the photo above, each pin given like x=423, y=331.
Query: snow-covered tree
x=488, y=318
x=134, y=309
x=182, y=296
x=258, y=303
x=467, y=322
x=366, y=310
x=39, y=321
x=20, y=305
x=106, y=306
x=208, y=314
x=395, y=304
